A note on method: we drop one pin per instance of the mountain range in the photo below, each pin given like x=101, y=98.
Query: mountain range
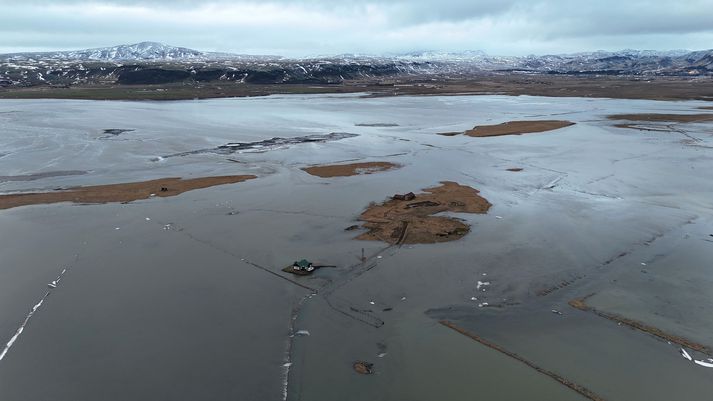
x=156, y=63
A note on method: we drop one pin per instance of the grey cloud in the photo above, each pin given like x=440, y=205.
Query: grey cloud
x=625, y=18
x=608, y=15
x=372, y=26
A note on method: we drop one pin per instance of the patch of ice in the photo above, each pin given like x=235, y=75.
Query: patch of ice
x=22, y=327
x=704, y=364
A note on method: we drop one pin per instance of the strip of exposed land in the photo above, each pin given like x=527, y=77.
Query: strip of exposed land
x=123, y=192
x=572, y=385
x=517, y=128
x=643, y=127
x=581, y=304
x=346, y=170
x=619, y=87
x=512, y=128
x=655, y=117
x=39, y=176
x=410, y=218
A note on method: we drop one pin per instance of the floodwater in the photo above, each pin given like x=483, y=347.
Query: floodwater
x=182, y=298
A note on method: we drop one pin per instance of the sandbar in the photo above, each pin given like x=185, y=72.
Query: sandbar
x=122, y=192
x=346, y=170
x=513, y=128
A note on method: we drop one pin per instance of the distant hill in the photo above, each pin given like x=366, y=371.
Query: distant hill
x=134, y=52
x=151, y=62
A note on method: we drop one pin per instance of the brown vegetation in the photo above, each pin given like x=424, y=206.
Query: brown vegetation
x=346, y=170
x=124, y=192
x=580, y=303
x=517, y=128
x=411, y=220
x=624, y=87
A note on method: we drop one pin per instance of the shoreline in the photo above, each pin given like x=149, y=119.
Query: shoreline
x=620, y=87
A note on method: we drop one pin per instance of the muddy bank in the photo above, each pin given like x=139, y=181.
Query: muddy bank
x=267, y=144
x=513, y=128
x=39, y=176
x=346, y=170
x=117, y=131
x=376, y=125
x=410, y=219
x=123, y=192
x=645, y=127
x=655, y=117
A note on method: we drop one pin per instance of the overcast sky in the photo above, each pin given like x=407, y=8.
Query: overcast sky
x=317, y=27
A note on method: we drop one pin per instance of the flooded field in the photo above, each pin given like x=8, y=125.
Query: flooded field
x=182, y=295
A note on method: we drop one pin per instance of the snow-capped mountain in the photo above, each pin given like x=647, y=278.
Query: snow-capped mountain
x=144, y=51
x=623, y=62
x=137, y=51
x=156, y=63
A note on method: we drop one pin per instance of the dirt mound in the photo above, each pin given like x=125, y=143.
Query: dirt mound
x=513, y=128
x=399, y=221
x=124, y=192
x=346, y=170
x=363, y=367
